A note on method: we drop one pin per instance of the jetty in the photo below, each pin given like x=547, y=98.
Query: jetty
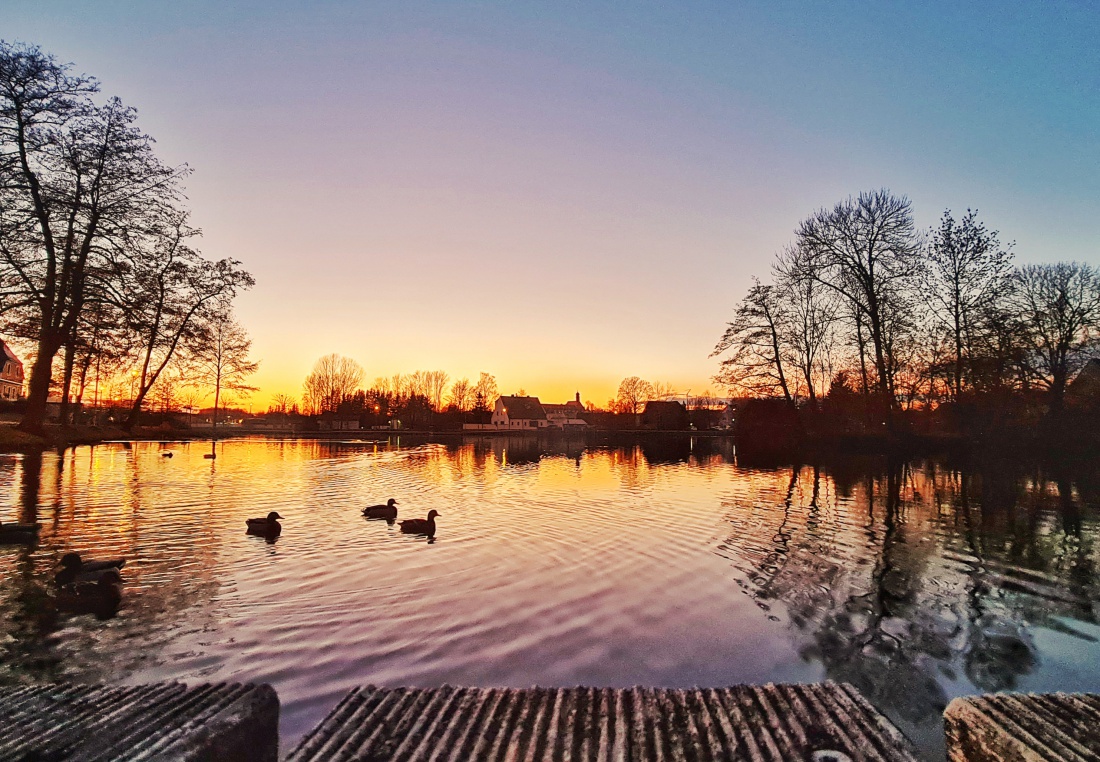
x=777, y=723
x=820, y=722
x=159, y=721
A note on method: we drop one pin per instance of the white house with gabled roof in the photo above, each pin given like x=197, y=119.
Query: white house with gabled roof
x=515, y=412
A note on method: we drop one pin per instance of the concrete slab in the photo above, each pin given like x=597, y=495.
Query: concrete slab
x=825, y=722
x=162, y=721
x=1019, y=727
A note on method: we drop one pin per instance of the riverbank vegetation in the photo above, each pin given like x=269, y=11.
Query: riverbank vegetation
x=98, y=264
x=868, y=327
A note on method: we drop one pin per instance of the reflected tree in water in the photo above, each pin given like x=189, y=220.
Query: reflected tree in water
x=902, y=584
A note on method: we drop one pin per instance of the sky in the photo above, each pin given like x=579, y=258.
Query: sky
x=566, y=194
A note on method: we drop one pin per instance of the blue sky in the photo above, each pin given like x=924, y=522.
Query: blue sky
x=566, y=194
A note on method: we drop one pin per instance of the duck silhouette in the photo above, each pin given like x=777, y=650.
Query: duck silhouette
x=269, y=527
x=166, y=455
x=387, y=511
x=75, y=570
x=421, y=526
x=18, y=533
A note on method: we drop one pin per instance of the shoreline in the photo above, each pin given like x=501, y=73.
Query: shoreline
x=757, y=449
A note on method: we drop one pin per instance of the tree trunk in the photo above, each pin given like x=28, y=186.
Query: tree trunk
x=217, y=395
x=958, y=358
x=38, y=389
x=135, y=410
x=1057, y=392
x=862, y=343
x=67, y=383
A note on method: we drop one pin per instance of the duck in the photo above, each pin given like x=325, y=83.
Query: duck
x=421, y=526
x=269, y=527
x=74, y=569
x=387, y=511
x=166, y=455
x=101, y=597
x=16, y=533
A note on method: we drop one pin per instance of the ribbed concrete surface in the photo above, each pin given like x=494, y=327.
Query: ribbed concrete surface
x=1021, y=726
x=771, y=722
x=162, y=721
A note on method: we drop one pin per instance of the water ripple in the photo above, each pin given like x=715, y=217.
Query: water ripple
x=602, y=566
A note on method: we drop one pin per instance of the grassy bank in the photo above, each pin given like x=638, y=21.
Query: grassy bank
x=14, y=440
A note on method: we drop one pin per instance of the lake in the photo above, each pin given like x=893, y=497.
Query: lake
x=665, y=563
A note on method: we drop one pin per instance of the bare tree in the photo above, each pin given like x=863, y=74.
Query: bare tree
x=417, y=383
x=99, y=343
x=435, y=384
x=485, y=392
x=755, y=336
x=969, y=274
x=462, y=395
x=808, y=316
x=400, y=385
x=166, y=391
x=662, y=390
x=867, y=250
x=189, y=400
x=1059, y=307
x=71, y=173
x=333, y=379
x=704, y=401
x=282, y=403
x=219, y=356
x=162, y=286
x=633, y=393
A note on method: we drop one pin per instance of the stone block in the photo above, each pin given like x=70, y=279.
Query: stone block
x=1023, y=727
x=227, y=722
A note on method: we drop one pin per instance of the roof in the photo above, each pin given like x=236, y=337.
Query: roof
x=523, y=407
x=1087, y=382
x=9, y=354
x=565, y=407
x=654, y=406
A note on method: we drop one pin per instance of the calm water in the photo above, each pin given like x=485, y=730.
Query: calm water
x=668, y=565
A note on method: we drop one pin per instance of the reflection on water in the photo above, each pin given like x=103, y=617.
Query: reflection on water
x=663, y=564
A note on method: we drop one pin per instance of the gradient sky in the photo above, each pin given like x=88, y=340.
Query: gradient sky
x=566, y=194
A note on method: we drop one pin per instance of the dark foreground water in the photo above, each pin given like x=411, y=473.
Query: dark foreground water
x=664, y=564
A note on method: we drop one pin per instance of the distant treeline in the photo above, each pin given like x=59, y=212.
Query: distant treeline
x=430, y=399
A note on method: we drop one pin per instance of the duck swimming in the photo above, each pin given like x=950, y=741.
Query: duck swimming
x=421, y=526
x=74, y=569
x=269, y=527
x=15, y=533
x=387, y=511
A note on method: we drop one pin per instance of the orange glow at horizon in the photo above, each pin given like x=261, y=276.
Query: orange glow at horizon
x=597, y=391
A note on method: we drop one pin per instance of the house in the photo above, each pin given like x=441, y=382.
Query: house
x=523, y=413
x=665, y=416
x=1084, y=389
x=11, y=374
x=566, y=416
x=334, y=422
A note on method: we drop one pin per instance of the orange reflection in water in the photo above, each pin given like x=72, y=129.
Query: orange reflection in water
x=662, y=562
